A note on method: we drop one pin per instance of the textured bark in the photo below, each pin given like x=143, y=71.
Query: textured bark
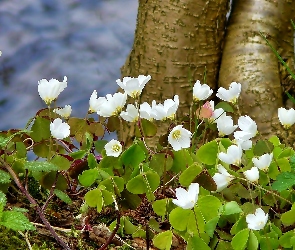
x=175, y=40
x=249, y=60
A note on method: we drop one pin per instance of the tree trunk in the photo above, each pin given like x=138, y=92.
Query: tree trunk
x=176, y=41
x=249, y=60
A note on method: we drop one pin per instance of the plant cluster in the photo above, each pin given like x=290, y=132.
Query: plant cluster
x=232, y=192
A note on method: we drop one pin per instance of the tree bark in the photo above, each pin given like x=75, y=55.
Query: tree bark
x=176, y=41
x=249, y=60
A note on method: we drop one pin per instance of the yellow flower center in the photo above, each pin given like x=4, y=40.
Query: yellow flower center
x=117, y=111
x=135, y=94
x=116, y=148
x=176, y=134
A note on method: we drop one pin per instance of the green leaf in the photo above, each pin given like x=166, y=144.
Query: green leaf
x=160, y=163
x=107, y=197
x=144, y=183
x=179, y=218
x=40, y=129
x=153, y=180
x=61, y=162
x=287, y=152
x=110, y=162
x=188, y=175
x=78, y=127
x=284, y=164
x=263, y=147
x=92, y=163
x=2, y=198
x=163, y=240
x=88, y=177
x=181, y=160
x=275, y=140
x=266, y=243
x=285, y=239
x=207, y=153
x=136, y=185
x=41, y=149
x=48, y=180
x=211, y=225
x=284, y=181
x=129, y=200
x=21, y=150
x=231, y=207
x=225, y=106
x=4, y=177
x=43, y=166
x=148, y=127
x=159, y=207
x=78, y=154
x=129, y=228
x=16, y=221
x=114, y=184
x=252, y=241
x=94, y=199
x=5, y=140
x=288, y=218
x=99, y=145
x=292, y=162
x=239, y=225
x=209, y=206
x=196, y=242
x=63, y=196
x=239, y=241
x=133, y=156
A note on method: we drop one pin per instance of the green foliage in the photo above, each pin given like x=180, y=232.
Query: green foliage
x=207, y=153
x=43, y=166
x=163, y=240
x=144, y=176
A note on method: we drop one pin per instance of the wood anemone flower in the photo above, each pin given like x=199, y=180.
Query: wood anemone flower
x=187, y=199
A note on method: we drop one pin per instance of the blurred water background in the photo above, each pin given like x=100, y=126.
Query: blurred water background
x=85, y=40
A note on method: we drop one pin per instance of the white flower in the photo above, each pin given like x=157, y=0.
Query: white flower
x=286, y=117
x=95, y=103
x=112, y=105
x=232, y=156
x=252, y=174
x=248, y=127
x=187, y=199
x=59, y=129
x=131, y=113
x=225, y=125
x=218, y=113
x=230, y=95
x=222, y=179
x=201, y=91
x=145, y=111
x=179, y=138
x=166, y=111
x=245, y=145
x=263, y=161
x=113, y=148
x=133, y=86
x=258, y=220
x=50, y=90
x=64, y=112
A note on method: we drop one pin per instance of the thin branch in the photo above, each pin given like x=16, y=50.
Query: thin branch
x=109, y=240
x=33, y=202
